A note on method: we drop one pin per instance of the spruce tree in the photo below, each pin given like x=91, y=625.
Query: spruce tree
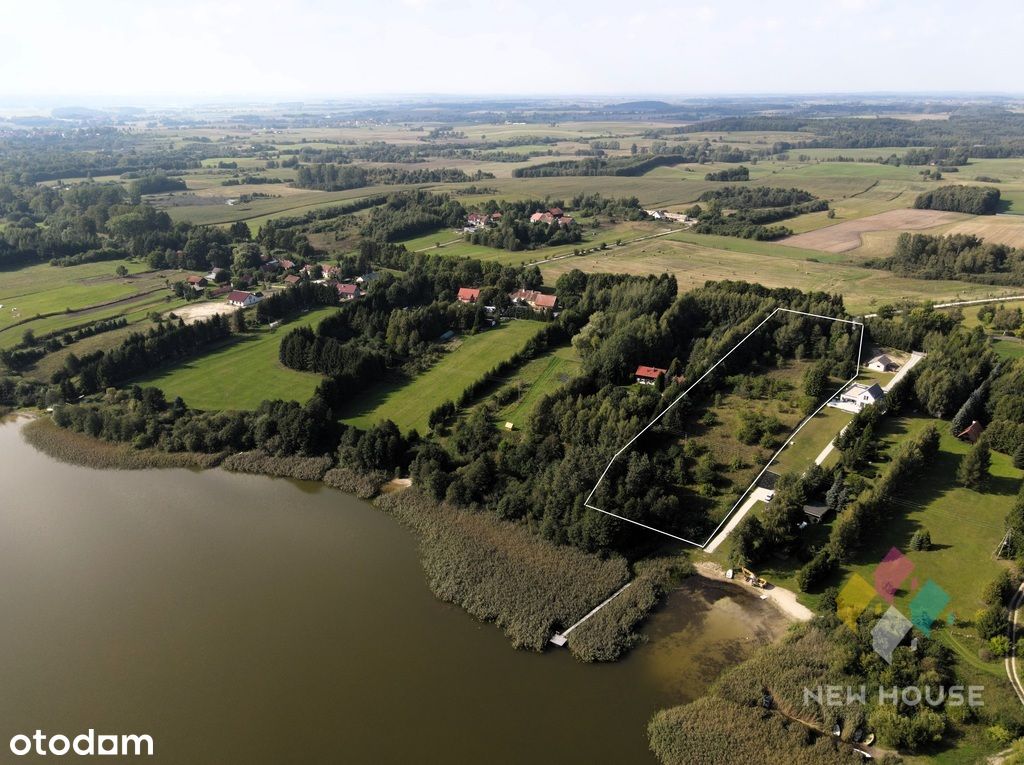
x=974, y=467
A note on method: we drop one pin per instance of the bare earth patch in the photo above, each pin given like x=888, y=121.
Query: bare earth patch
x=847, y=235
x=200, y=311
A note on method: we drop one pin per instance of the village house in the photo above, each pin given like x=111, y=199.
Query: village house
x=216, y=275
x=196, y=282
x=292, y=279
x=883, y=363
x=468, y=295
x=347, y=291
x=971, y=433
x=287, y=265
x=243, y=299
x=649, y=375
x=858, y=396
x=538, y=301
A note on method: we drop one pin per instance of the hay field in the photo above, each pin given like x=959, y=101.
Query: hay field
x=847, y=235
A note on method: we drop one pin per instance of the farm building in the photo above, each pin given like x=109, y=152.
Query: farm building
x=367, y=278
x=971, y=433
x=468, y=295
x=883, y=363
x=348, y=291
x=649, y=375
x=243, y=299
x=858, y=396
x=538, y=301
x=196, y=282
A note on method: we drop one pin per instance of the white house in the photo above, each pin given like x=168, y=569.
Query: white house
x=883, y=363
x=243, y=299
x=859, y=396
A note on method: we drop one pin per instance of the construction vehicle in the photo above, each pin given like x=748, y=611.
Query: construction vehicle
x=753, y=579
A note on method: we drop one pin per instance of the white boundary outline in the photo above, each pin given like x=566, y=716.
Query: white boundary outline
x=694, y=384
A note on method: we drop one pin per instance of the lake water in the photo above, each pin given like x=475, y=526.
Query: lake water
x=242, y=619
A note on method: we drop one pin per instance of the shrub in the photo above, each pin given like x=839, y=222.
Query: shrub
x=921, y=540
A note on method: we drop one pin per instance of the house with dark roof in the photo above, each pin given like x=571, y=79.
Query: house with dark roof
x=649, y=375
x=196, y=282
x=815, y=512
x=858, y=396
x=883, y=363
x=468, y=295
x=291, y=280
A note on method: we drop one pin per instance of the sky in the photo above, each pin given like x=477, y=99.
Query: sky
x=197, y=51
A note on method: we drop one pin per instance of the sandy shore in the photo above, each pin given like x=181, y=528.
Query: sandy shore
x=783, y=599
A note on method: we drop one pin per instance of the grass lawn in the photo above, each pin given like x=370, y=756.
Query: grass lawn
x=541, y=376
x=241, y=373
x=966, y=526
x=409, y=403
x=1008, y=349
x=809, y=442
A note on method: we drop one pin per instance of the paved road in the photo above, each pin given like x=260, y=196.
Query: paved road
x=757, y=495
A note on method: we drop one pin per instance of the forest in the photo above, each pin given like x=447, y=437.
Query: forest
x=966, y=199
x=958, y=256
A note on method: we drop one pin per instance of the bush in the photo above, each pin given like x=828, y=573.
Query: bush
x=921, y=540
x=991, y=622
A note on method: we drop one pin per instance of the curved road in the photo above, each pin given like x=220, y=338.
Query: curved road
x=1011, y=660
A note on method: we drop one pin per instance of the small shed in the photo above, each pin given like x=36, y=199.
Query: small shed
x=971, y=433
x=815, y=513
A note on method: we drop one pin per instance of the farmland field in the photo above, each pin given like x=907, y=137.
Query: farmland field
x=240, y=373
x=409, y=403
x=45, y=298
x=847, y=235
x=693, y=263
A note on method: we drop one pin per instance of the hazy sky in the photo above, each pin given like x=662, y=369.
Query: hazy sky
x=199, y=50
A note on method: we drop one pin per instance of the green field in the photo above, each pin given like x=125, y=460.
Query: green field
x=409, y=403
x=539, y=377
x=47, y=298
x=241, y=373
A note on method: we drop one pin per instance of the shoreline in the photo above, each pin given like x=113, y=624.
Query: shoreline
x=784, y=600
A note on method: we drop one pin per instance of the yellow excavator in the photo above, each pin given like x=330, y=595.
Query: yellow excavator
x=753, y=579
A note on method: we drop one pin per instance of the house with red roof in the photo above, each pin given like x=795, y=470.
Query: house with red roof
x=649, y=375
x=243, y=299
x=468, y=295
x=347, y=291
x=538, y=301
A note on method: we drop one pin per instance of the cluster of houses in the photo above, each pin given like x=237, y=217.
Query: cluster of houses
x=535, y=299
x=666, y=215
x=551, y=215
x=479, y=220
x=328, y=274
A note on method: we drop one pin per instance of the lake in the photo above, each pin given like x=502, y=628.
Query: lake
x=244, y=619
